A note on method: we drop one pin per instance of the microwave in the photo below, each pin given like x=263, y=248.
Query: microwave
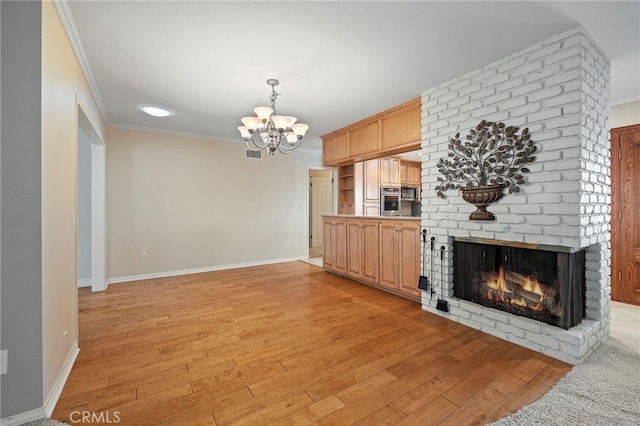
x=410, y=193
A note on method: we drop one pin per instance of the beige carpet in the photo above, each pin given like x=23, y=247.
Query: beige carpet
x=603, y=390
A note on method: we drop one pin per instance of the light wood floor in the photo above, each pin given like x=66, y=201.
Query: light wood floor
x=287, y=344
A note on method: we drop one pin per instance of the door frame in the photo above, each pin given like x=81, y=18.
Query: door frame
x=334, y=199
x=98, y=204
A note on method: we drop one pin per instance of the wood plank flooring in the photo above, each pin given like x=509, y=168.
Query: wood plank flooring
x=287, y=344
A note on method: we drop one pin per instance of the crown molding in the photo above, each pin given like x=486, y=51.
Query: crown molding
x=67, y=23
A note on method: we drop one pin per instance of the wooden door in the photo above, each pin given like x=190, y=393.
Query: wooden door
x=625, y=214
x=320, y=188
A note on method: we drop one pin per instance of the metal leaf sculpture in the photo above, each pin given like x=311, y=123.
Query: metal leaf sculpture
x=491, y=154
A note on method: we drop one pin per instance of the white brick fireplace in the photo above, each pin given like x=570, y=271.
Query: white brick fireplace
x=559, y=89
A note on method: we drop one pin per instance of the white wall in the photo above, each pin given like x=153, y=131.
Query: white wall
x=84, y=209
x=197, y=204
x=64, y=88
x=626, y=114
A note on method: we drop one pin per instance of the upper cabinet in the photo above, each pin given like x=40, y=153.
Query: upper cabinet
x=364, y=139
x=334, y=149
x=390, y=171
x=390, y=132
x=402, y=127
x=410, y=172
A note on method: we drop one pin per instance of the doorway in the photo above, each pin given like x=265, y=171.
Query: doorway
x=90, y=202
x=320, y=203
x=625, y=214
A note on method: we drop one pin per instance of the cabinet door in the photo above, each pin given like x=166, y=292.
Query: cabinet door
x=409, y=248
x=328, y=251
x=410, y=172
x=371, y=209
x=354, y=248
x=370, y=250
x=362, y=249
x=364, y=139
x=335, y=245
x=414, y=175
x=340, y=259
x=402, y=127
x=389, y=254
x=371, y=181
x=390, y=171
x=334, y=149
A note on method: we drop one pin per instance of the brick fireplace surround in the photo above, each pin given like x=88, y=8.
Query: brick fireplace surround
x=559, y=89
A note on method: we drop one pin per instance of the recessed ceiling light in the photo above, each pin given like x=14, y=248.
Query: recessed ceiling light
x=156, y=111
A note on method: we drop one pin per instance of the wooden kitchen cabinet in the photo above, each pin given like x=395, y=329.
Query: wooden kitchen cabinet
x=335, y=149
x=364, y=139
x=362, y=249
x=367, y=188
x=400, y=256
x=390, y=132
x=390, y=171
x=381, y=252
x=335, y=245
x=410, y=173
x=402, y=126
x=371, y=181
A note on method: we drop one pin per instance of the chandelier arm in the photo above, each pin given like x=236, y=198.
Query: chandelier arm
x=291, y=147
x=259, y=147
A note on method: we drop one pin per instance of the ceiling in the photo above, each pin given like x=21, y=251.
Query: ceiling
x=337, y=62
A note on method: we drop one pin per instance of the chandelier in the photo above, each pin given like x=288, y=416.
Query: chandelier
x=270, y=131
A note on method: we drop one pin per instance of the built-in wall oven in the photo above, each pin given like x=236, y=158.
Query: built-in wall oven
x=390, y=201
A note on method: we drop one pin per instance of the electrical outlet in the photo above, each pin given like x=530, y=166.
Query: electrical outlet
x=144, y=255
x=286, y=243
x=3, y=361
x=65, y=340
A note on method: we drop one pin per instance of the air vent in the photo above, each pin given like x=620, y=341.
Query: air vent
x=253, y=154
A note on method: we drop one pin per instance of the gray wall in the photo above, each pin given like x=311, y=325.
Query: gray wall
x=20, y=229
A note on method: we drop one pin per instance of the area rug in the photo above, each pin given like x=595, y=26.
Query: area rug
x=44, y=422
x=603, y=390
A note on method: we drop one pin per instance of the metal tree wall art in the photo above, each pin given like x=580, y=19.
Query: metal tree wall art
x=491, y=157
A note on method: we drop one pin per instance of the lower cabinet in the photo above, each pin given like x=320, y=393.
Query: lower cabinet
x=362, y=249
x=334, y=256
x=400, y=256
x=381, y=252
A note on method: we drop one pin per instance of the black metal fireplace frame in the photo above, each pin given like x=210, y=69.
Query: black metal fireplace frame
x=569, y=273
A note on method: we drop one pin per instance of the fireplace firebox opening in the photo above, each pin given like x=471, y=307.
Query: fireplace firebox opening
x=543, y=283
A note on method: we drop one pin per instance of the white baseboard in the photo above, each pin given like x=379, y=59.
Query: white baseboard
x=58, y=386
x=197, y=270
x=84, y=283
x=28, y=416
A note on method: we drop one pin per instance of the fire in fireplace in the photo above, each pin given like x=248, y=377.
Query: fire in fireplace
x=544, y=285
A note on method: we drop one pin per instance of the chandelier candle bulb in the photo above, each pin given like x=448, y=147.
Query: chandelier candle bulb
x=272, y=129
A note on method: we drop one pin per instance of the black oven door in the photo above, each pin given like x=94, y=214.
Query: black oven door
x=390, y=204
